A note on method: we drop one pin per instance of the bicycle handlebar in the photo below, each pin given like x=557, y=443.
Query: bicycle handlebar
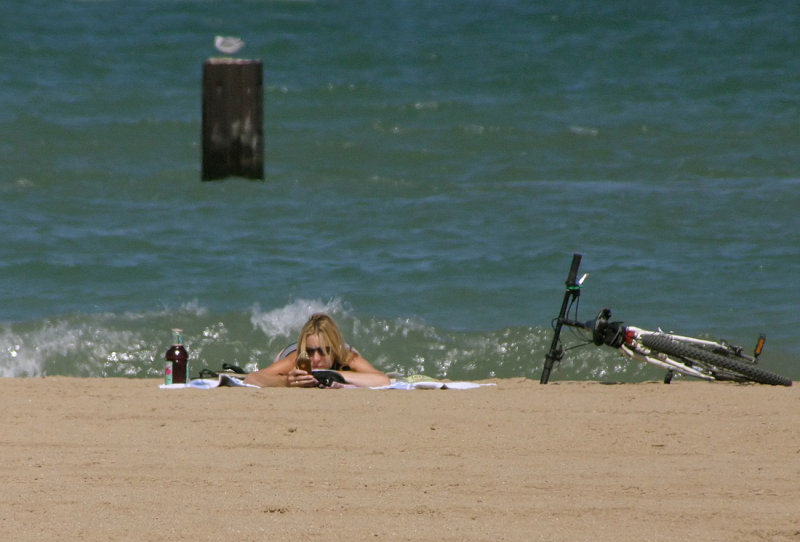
x=572, y=278
x=573, y=290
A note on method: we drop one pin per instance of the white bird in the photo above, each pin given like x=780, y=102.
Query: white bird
x=228, y=45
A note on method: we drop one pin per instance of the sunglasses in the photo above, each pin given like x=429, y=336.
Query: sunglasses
x=320, y=350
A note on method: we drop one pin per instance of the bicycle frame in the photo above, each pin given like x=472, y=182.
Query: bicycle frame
x=636, y=350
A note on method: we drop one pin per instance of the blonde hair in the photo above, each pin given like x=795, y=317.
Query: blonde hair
x=323, y=325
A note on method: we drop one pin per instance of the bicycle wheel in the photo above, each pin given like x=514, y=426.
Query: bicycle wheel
x=746, y=371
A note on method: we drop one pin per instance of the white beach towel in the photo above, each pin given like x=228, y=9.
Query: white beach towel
x=432, y=385
x=224, y=380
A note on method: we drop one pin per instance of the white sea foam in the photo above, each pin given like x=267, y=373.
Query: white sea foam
x=286, y=321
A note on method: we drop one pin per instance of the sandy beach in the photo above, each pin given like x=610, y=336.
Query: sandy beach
x=118, y=459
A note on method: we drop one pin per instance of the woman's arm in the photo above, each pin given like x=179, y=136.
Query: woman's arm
x=276, y=375
x=363, y=374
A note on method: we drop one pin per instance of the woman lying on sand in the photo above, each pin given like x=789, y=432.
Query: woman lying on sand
x=321, y=343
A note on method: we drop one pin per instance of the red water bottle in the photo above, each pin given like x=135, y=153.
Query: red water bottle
x=177, y=367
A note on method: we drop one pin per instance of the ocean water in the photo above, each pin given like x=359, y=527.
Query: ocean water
x=430, y=169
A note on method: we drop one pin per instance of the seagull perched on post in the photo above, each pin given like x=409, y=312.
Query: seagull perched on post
x=228, y=45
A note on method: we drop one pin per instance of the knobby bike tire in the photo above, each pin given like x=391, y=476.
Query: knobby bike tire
x=671, y=347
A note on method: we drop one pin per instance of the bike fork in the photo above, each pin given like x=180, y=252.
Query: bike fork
x=573, y=290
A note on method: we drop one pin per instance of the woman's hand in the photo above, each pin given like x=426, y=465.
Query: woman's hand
x=297, y=378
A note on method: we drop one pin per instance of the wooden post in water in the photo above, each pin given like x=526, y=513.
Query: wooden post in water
x=233, y=133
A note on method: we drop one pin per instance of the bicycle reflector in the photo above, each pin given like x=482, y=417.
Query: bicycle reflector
x=760, y=345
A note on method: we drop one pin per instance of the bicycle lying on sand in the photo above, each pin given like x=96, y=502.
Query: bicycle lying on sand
x=704, y=359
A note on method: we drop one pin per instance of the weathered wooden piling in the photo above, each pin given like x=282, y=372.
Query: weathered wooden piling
x=233, y=132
